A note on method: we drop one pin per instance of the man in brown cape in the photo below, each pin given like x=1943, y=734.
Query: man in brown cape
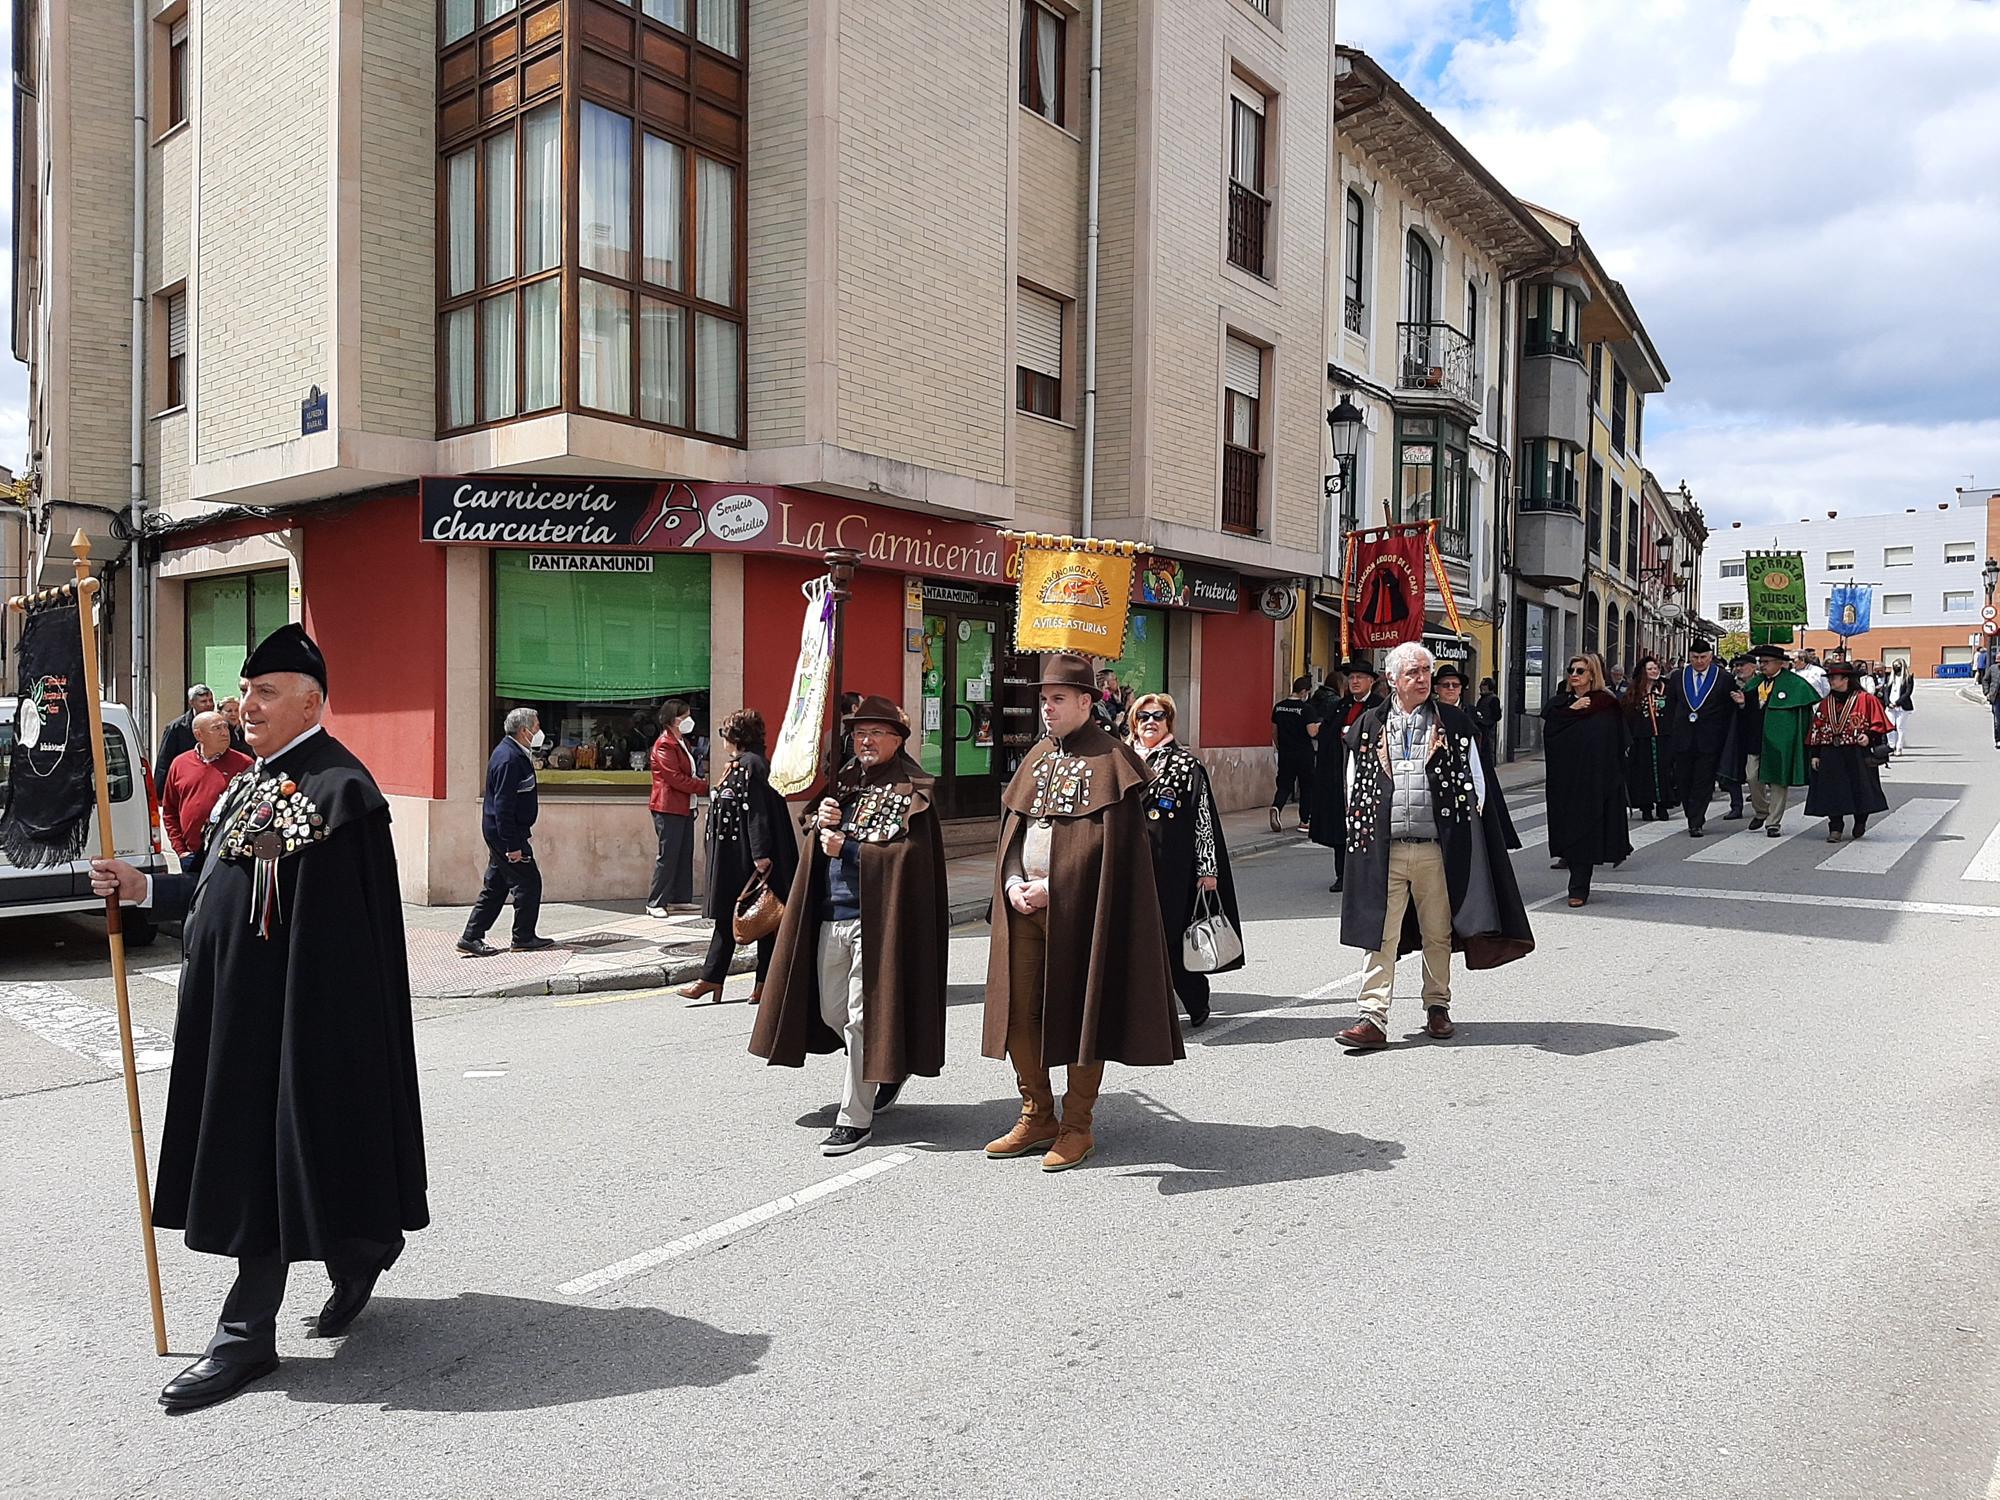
x=1078, y=971
x=860, y=956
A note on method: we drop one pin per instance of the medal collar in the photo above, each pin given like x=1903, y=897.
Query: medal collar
x=1707, y=680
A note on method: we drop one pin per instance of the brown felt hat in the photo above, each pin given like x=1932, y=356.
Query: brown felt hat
x=875, y=709
x=1066, y=669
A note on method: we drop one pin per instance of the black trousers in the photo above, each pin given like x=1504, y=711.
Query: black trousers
x=1294, y=769
x=1695, y=774
x=1192, y=988
x=722, y=947
x=1579, y=878
x=522, y=877
x=673, y=870
x=247, y=1331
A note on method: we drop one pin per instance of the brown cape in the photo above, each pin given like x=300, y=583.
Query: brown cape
x=904, y=919
x=1109, y=993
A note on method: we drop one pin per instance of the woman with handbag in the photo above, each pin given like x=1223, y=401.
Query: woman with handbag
x=1848, y=742
x=1190, y=859
x=752, y=854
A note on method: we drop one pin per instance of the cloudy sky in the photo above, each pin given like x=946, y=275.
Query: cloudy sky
x=1801, y=196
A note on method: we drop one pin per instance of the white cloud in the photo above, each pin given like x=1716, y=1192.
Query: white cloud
x=1800, y=196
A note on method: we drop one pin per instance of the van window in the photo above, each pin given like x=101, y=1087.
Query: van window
x=117, y=764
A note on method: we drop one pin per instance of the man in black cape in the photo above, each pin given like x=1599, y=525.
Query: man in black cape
x=293, y=1130
x=1329, y=822
x=1702, y=700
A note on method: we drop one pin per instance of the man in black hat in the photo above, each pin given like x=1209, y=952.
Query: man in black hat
x=293, y=1128
x=1732, y=770
x=1329, y=732
x=1702, y=702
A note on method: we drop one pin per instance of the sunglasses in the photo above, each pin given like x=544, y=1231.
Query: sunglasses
x=1151, y=716
x=1579, y=671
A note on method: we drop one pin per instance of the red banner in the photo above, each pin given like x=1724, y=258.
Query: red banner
x=1384, y=587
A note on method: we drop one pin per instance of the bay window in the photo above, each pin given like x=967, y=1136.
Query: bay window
x=1431, y=467
x=1555, y=315
x=1548, y=475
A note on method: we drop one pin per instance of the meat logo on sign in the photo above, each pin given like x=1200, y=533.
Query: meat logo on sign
x=1074, y=587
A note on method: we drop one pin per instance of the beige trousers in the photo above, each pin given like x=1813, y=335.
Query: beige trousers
x=840, y=1008
x=1416, y=873
x=1766, y=800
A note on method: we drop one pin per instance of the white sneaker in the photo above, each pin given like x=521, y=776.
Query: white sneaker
x=656, y=911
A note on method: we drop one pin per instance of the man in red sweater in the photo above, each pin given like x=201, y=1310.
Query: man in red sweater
x=194, y=783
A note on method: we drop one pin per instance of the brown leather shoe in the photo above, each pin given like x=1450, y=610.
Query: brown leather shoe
x=701, y=989
x=1363, y=1035
x=1032, y=1132
x=1438, y=1023
x=1071, y=1147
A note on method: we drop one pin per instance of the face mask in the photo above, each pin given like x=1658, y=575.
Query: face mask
x=685, y=726
x=537, y=740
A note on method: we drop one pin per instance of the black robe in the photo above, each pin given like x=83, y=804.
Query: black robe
x=1746, y=732
x=1585, y=754
x=292, y=1110
x=747, y=821
x=1329, y=820
x=1171, y=800
x=1489, y=925
x=1649, y=758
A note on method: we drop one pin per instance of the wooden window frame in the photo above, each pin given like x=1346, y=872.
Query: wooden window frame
x=1354, y=261
x=1034, y=95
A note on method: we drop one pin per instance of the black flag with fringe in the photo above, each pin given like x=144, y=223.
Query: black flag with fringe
x=50, y=794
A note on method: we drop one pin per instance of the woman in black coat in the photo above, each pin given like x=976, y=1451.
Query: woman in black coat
x=749, y=832
x=1190, y=859
x=1649, y=763
x=1584, y=743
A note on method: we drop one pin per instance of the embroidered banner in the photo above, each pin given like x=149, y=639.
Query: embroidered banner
x=1385, y=587
x=1848, y=610
x=50, y=788
x=1776, y=582
x=1076, y=595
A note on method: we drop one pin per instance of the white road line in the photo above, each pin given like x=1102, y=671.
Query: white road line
x=645, y=1260
x=1324, y=992
x=1986, y=863
x=1748, y=844
x=1786, y=898
x=58, y=1017
x=1889, y=838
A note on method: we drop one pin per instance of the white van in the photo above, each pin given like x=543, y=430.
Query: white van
x=135, y=828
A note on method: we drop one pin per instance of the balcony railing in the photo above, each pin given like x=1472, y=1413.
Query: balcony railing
x=1356, y=316
x=1240, y=471
x=1249, y=217
x=1437, y=357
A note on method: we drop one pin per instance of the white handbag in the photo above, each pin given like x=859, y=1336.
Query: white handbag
x=1211, y=941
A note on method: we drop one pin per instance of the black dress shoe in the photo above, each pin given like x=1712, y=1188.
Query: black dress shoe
x=885, y=1094
x=1198, y=1015
x=531, y=945
x=209, y=1380
x=345, y=1305
x=842, y=1139
x=474, y=948
x=1334, y=889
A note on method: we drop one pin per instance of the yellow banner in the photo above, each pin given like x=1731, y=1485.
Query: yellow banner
x=1076, y=598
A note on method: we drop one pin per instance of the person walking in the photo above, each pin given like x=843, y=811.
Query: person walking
x=1448, y=682
x=1487, y=711
x=1190, y=855
x=1329, y=732
x=1290, y=720
x=859, y=961
x=1427, y=865
x=1077, y=973
x=1809, y=668
x=1649, y=768
x=1899, y=697
x=294, y=1127
x=1702, y=702
x=1746, y=727
x=676, y=783
x=749, y=833
x=1586, y=739
x=1989, y=686
x=1778, y=755
x=178, y=737
x=1847, y=726
x=195, y=782
x=232, y=710
x=507, y=823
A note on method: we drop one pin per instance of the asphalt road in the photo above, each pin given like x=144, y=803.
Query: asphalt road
x=1701, y=1202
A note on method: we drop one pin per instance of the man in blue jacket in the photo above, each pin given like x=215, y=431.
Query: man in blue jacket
x=508, y=821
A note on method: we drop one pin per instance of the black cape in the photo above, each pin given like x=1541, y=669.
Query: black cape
x=292, y=1110
x=1649, y=758
x=1845, y=783
x=1489, y=925
x=1171, y=800
x=1585, y=754
x=747, y=821
x=1329, y=813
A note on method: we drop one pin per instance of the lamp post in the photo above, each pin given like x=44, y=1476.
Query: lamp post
x=1345, y=422
x=1990, y=576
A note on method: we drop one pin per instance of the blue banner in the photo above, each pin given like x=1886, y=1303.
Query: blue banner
x=1848, y=609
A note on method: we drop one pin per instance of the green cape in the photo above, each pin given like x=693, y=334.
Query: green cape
x=1787, y=716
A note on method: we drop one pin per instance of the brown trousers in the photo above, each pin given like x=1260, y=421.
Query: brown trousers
x=1027, y=961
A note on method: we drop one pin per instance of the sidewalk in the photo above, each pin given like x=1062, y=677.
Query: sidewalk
x=614, y=945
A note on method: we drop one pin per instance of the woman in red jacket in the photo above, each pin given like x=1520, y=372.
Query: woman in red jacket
x=675, y=785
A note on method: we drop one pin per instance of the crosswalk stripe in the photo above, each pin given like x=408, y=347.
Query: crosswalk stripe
x=1748, y=844
x=56, y=1016
x=1889, y=839
x=1986, y=863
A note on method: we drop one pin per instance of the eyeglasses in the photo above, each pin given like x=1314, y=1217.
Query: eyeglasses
x=1579, y=671
x=1151, y=716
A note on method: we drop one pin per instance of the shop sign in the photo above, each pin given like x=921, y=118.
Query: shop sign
x=1449, y=648
x=1169, y=582
x=948, y=593
x=590, y=562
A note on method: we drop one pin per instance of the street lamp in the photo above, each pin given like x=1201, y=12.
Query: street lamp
x=1345, y=422
x=1990, y=576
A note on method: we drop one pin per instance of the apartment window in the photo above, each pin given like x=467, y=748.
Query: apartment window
x=1899, y=557
x=1957, y=552
x=1554, y=316
x=1840, y=562
x=1611, y=624
x=1354, y=253
x=1548, y=475
x=1472, y=327
x=1596, y=374
x=1616, y=548
x=1958, y=602
x=1729, y=613
x=1419, y=280
x=1038, y=340
x=177, y=73
x=1249, y=207
x=1242, y=432
x=1590, y=622
x=1638, y=424
x=1897, y=604
x=1734, y=567
x=1632, y=538
x=177, y=335
x=1044, y=60
x=1431, y=470
x=1619, y=391
x=1593, y=519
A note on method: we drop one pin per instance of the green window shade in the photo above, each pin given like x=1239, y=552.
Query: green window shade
x=587, y=637
x=1143, y=667
x=270, y=606
x=217, y=617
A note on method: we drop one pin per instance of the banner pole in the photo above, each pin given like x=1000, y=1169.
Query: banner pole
x=114, y=931
x=840, y=565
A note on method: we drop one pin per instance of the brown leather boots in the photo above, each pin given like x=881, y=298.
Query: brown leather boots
x=1067, y=1141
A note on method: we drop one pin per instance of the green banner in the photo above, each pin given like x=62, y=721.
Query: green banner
x=1777, y=586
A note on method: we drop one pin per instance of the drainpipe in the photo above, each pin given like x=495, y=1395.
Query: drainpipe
x=1090, y=270
x=1503, y=593
x=140, y=703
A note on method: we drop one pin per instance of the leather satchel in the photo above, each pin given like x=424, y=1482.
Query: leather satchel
x=1211, y=940
x=758, y=911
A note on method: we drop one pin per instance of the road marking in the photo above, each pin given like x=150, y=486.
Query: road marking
x=485, y=1072
x=1786, y=898
x=645, y=1260
x=1748, y=844
x=1986, y=863
x=58, y=1017
x=1890, y=838
x=1642, y=834
x=614, y=999
x=1324, y=992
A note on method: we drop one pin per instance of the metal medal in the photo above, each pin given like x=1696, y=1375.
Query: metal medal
x=268, y=845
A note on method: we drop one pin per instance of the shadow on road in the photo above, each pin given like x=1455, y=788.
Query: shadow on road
x=1209, y=1154
x=1563, y=1038
x=482, y=1352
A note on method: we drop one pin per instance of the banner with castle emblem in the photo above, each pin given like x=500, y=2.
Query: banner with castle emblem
x=1075, y=594
x=1849, y=608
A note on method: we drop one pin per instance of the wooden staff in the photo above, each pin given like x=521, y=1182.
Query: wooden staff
x=85, y=591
